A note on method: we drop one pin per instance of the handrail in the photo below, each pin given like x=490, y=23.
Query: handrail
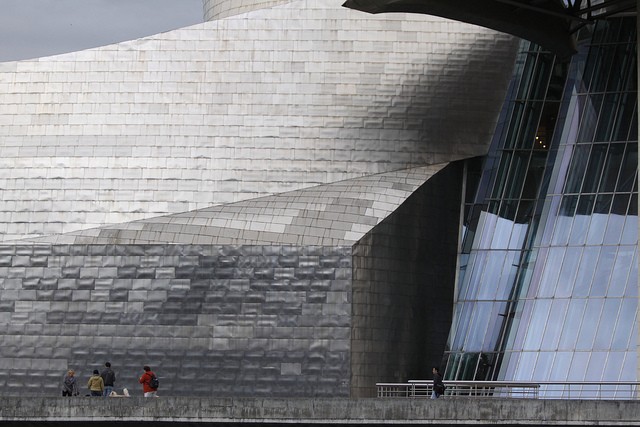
x=619, y=390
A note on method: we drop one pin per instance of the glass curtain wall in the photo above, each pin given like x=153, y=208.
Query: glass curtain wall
x=547, y=286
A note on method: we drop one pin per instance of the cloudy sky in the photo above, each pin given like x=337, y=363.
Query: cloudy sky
x=34, y=28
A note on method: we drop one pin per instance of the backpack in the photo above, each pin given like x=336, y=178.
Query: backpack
x=154, y=382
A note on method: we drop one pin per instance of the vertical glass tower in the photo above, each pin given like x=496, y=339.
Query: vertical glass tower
x=547, y=286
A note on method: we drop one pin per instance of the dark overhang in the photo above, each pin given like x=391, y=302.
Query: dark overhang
x=550, y=23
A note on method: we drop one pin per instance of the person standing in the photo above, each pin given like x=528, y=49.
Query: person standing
x=109, y=378
x=69, y=384
x=146, y=381
x=438, y=385
x=96, y=384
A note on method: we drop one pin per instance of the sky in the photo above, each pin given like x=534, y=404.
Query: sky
x=35, y=28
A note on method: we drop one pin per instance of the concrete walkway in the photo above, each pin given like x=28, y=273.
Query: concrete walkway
x=321, y=411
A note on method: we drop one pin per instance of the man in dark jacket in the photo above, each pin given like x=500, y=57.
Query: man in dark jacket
x=109, y=378
x=438, y=385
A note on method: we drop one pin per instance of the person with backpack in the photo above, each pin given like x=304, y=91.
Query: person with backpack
x=69, y=384
x=149, y=382
x=109, y=377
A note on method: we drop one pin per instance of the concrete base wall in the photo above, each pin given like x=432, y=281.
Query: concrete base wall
x=322, y=411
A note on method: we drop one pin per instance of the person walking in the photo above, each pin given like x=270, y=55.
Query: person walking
x=96, y=384
x=69, y=384
x=148, y=381
x=109, y=378
x=438, y=385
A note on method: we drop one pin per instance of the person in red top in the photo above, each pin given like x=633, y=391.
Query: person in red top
x=145, y=380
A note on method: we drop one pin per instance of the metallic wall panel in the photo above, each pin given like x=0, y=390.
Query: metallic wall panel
x=218, y=9
x=274, y=100
x=340, y=214
x=210, y=320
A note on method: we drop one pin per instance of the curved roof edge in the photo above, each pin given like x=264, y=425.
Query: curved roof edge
x=547, y=23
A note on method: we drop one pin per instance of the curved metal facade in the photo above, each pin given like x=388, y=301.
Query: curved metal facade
x=246, y=204
x=276, y=100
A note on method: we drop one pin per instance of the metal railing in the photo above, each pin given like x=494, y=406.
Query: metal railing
x=515, y=389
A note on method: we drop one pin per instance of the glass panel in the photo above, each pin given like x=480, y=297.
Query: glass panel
x=620, y=272
x=564, y=220
x=622, y=68
x=624, y=330
x=551, y=272
x=589, y=324
x=591, y=65
x=630, y=232
x=607, y=323
x=595, y=370
x=503, y=171
x=633, y=130
x=468, y=286
x=518, y=235
x=479, y=322
x=630, y=369
x=568, y=272
x=615, y=223
x=491, y=276
x=632, y=280
x=537, y=323
x=540, y=78
x=628, y=168
x=578, y=366
x=527, y=135
x=594, y=169
x=625, y=114
x=529, y=274
x=507, y=366
x=557, y=80
x=612, y=368
x=552, y=206
x=451, y=369
x=603, y=271
x=552, y=333
x=508, y=275
x=577, y=169
x=516, y=119
x=602, y=206
x=572, y=325
x=526, y=362
x=561, y=366
x=496, y=319
x=600, y=78
x=586, y=270
x=589, y=118
x=612, y=168
x=517, y=174
x=586, y=203
x=580, y=224
x=598, y=223
x=607, y=116
x=465, y=311
x=527, y=72
x=534, y=176
x=486, y=225
x=543, y=365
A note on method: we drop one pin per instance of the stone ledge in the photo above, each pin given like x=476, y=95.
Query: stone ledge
x=321, y=411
